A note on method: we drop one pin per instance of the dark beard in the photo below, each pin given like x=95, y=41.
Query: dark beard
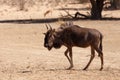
x=57, y=45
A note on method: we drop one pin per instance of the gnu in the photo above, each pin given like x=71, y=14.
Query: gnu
x=71, y=35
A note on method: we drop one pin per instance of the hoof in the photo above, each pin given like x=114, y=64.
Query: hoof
x=85, y=69
x=69, y=68
x=101, y=69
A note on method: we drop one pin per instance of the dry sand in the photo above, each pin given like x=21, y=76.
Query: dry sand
x=23, y=56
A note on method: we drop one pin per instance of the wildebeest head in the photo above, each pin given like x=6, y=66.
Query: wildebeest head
x=49, y=38
x=52, y=39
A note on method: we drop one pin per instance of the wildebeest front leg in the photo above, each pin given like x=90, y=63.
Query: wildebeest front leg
x=66, y=54
x=91, y=58
x=69, y=58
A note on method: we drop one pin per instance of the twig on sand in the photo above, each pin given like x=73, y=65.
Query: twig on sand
x=25, y=71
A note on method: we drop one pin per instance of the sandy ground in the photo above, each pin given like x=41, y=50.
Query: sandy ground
x=23, y=56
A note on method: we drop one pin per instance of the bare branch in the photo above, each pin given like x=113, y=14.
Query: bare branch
x=68, y=13
x=78, y=13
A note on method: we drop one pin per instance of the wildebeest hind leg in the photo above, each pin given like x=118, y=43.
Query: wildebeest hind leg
x=91, y=58
x=101, y=57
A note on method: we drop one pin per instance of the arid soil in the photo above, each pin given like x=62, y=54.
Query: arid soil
x=23, y=56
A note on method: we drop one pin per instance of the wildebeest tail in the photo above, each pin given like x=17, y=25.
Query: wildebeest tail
x=100, y=46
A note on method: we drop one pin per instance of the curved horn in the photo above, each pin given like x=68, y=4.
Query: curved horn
x=46, y=26
x=50, y=26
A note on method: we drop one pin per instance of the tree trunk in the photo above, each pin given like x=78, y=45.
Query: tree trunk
x=96, y=10
x=115, y=4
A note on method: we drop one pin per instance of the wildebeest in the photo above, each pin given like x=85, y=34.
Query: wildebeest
x=74, y=35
